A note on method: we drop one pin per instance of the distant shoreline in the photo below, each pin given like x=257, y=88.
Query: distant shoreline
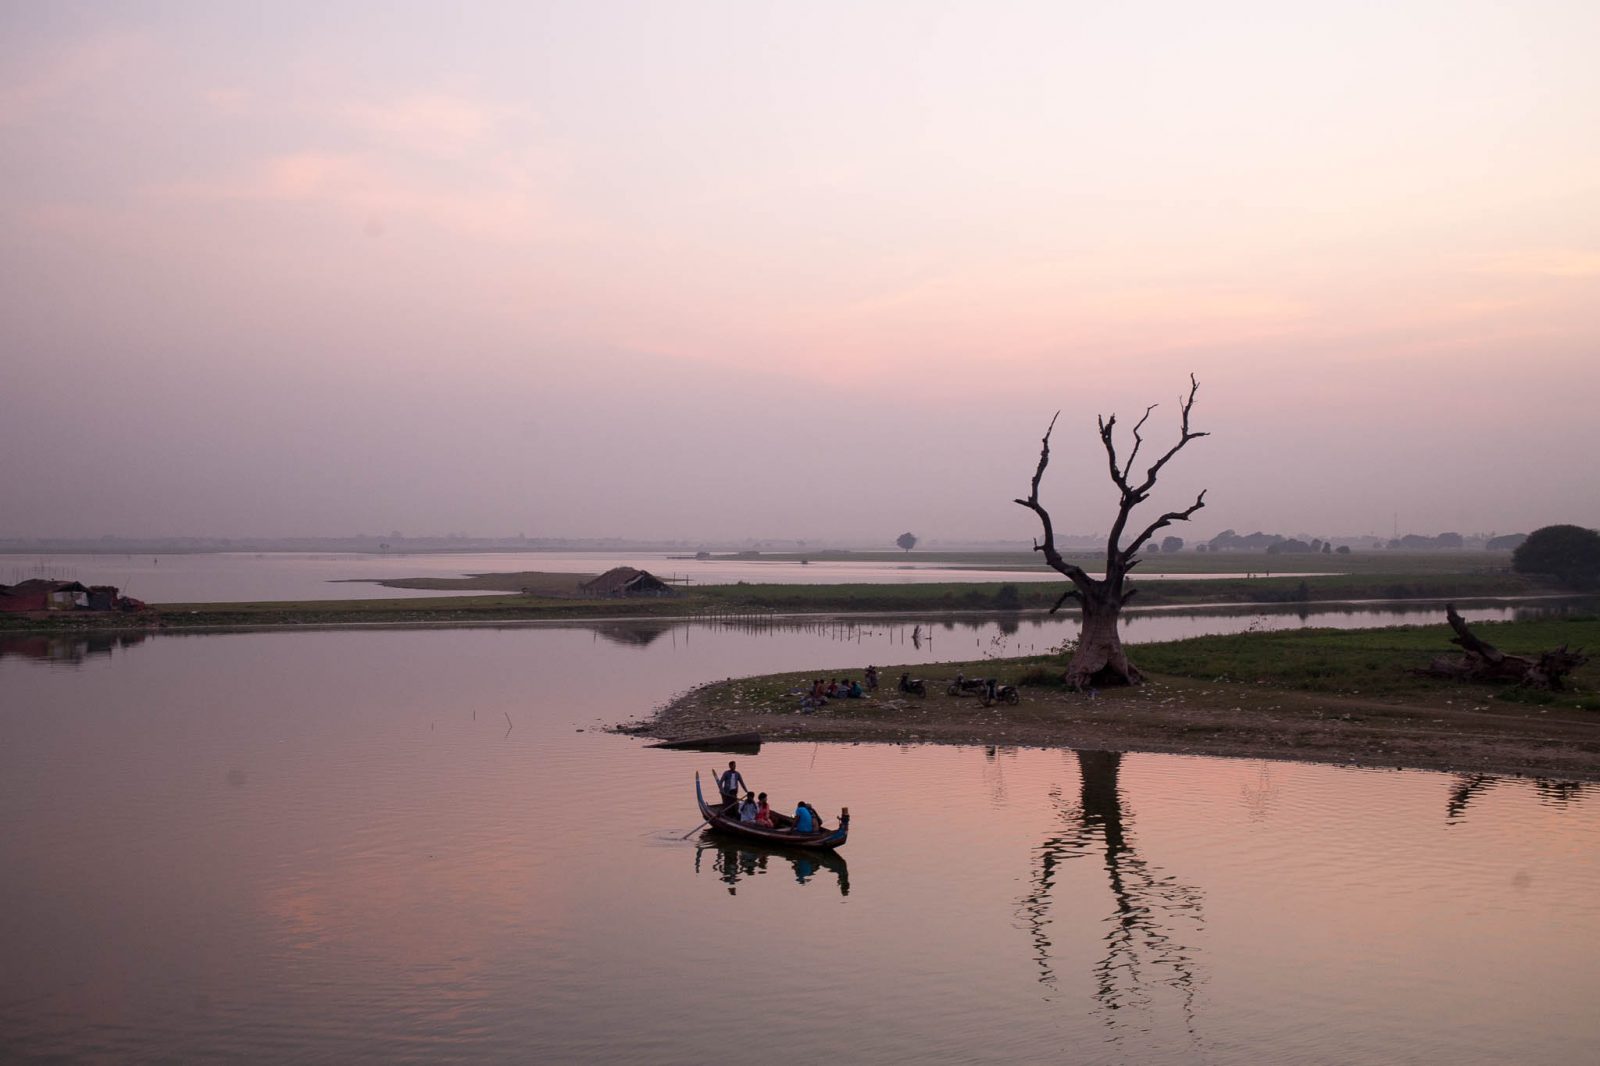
x=740, y=603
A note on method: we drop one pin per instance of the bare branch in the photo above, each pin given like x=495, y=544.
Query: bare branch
x=1133, y=495
x=1107, y=425
x=1165, y=520
x=1070, y=594
x=1184, y=438
x=1137, y=439
x=1048, y=545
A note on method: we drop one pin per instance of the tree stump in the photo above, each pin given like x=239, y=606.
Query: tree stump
x=1483, y=663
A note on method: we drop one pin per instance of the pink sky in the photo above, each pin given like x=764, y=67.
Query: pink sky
x=819, y=271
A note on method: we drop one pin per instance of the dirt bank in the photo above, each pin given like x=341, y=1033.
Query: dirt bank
x=1460, y=731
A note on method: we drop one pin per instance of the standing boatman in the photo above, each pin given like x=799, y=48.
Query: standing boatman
x=731, y=783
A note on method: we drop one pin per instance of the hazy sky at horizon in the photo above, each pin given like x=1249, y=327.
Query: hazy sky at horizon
x=736, y=269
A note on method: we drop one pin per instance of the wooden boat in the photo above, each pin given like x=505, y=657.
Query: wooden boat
x=740, y=743
x=724, y=818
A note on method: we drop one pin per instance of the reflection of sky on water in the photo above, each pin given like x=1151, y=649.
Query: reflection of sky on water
x=330, y=845
x=828, y=643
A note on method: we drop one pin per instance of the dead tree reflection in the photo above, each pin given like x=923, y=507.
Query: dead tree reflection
x=1466, y=787
x=1551, y=791
x=1153, y=914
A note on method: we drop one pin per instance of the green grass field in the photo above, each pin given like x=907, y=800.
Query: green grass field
x=1374, y=664
x=1365, y=563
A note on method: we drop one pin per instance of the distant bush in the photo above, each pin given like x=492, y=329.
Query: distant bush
x=1415, y=542
x=1228, y=540
x=1570, y=554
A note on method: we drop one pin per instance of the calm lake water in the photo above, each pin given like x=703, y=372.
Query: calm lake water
x=243, y=577
x=395, y=845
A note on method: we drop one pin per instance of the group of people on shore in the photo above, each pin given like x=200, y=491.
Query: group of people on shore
x=754, y=809
x=848, y=689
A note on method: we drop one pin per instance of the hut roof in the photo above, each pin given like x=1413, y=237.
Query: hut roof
x=42, y=584
x=621, y=580
x=34, y=594
x=612, y=580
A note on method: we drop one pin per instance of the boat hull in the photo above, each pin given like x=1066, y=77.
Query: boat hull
x=738, y=743
x=724, y=820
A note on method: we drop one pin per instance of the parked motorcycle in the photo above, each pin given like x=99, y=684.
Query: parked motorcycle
x=1002, y=693
x=914, y=685
x=967, y=686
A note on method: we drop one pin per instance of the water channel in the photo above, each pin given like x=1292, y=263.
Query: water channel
x=419, y=845
x=235, y=577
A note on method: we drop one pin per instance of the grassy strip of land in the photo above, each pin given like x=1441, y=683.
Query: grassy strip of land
x=547, y=599
x=988, y=595
x=1340, y=696
x=1362, y=562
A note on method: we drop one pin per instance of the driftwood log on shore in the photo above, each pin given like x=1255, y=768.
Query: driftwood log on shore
x=1486, y=664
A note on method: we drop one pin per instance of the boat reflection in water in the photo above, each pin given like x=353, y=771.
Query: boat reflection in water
x=735, y=861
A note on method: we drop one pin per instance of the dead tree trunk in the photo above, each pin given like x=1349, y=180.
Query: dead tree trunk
x=1099, y=658
x=1483, y=663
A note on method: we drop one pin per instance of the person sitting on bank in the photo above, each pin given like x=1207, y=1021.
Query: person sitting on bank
x=730, y=784
x=747, y=809
x=855, y=692
x=763, y=812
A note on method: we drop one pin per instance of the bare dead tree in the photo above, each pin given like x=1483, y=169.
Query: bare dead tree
x=1100, y=659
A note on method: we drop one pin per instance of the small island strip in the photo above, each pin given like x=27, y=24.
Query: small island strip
x=1350, y=697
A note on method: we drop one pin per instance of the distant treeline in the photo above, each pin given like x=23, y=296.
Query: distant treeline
x=1277, y=544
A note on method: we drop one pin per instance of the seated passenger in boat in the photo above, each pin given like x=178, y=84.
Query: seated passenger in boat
x=747, y=809
x=805, y=818
x=763, y=812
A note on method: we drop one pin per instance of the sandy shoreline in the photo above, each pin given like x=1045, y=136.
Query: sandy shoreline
x=1169, y=715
